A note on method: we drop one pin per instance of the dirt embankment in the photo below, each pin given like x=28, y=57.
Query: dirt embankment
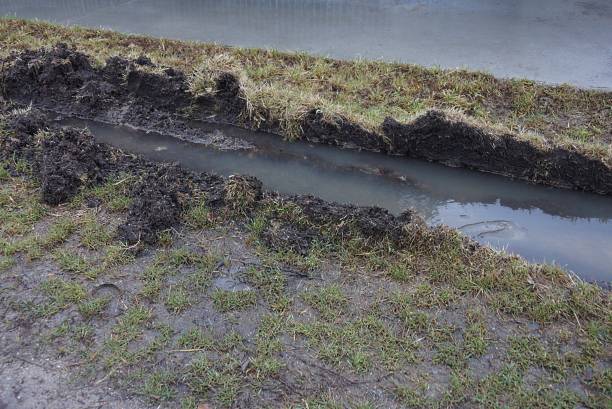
x=141, y=94
x=123, y=91
x=437, y=138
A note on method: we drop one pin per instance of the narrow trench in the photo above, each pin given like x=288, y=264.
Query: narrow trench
x=542, y=224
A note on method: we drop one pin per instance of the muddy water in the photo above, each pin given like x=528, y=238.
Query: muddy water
x=548, y=40
x=571, y=229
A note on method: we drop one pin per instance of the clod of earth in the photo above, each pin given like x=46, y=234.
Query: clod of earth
x=156, y=205
x=70, y=159
x=63, y=161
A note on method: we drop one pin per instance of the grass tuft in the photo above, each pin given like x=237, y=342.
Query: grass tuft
x=229, y=301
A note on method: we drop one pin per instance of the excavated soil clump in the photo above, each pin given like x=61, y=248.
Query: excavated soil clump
x=69, y=159
x=67, y=78
x=313, y=220
x=371, y=222
x=34, y=73
x=156, y=205
x=63, y=160
x=24, y=124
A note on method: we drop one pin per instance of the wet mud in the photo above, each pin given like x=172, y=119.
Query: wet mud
x=69, y=159
x=138, y=93
x=156, y=205
x=63, y=161
x=435, y=137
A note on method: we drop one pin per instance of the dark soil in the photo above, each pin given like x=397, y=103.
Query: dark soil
x=371, y=222
x=70, y=158
x=156, y=205
x=143, y=95
x=435, y=137
x=340, y=221
x=226, y=103
x=342, y=133
x=63, y=160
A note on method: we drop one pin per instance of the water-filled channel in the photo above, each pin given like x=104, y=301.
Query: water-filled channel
x=542, y=224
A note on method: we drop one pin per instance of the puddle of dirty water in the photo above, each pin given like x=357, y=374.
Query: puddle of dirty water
x=546, y=40
x=542, y=224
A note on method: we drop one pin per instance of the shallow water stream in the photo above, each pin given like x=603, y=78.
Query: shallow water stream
x=572, y=229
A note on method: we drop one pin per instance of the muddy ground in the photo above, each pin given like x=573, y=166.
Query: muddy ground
x=132, y=284
x=147, y=96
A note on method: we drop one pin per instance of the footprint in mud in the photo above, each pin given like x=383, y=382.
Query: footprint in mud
x=492, y=229
x=113, y=294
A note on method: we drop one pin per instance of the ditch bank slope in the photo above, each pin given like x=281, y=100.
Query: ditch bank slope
x=139, y=93
x=338, y=296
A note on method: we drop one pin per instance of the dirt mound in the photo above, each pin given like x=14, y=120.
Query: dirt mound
x=63, y=159
x=168, y=90
x=372, y=222
x=69, y=159
x=62, y=78
x=435, y=137
x=38, y=72
x=156, y=204
x=24, y=123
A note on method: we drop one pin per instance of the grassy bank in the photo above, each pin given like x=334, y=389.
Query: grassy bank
x=283, y=87
x=222, y=312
